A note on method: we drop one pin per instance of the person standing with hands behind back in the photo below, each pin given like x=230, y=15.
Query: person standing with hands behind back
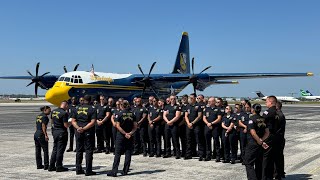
x=41, y=138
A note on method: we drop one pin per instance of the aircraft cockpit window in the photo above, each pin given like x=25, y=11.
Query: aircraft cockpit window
x=76, y=80
x=67, y=79
x=80, y=81
x=61, y=79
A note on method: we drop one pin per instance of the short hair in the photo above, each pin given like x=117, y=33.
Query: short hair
x=43, y=108
x=87, y=98
x=193, y=94
x=201, y=95
x=248, y=103
x=273, y=99
x=220, y=99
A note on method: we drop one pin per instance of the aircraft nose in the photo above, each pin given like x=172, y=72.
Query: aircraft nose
x=56, y=95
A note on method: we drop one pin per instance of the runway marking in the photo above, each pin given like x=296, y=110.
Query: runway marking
x=305, y=162
x=314, y=170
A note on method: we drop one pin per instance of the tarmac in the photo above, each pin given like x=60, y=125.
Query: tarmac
x=17, y=157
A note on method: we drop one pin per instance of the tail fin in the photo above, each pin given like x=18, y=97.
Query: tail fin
x=260, y=94
x=303, y=93
x=309, y=93
x=182, y=64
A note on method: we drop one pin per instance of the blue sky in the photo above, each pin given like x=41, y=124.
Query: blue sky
x=115, y=36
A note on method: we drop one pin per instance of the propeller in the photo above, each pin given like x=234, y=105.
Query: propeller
x=193, y=79
x=74, y=69
x=146, y=81
x=37, y=80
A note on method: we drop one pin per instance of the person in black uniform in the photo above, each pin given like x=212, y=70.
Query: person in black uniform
x=257, y=133
x=103, y=114
x=60, y=126
x=238, y=115
x=41, y=138
x=171, y=115
x=212, y=120
x=279, y=142
x=154, y=129
x=221, y=106
x=182, y=126
x=193, y=118
x=140, y=137
x=229, y=136
x=83, y=121
x=115, y=113
x=71, y=110
x=126, y=125
x=270, y=119
x=243, y=123
x=109, y=136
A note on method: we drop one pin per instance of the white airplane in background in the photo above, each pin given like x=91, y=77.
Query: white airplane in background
x=280, y=98
x=307, y=95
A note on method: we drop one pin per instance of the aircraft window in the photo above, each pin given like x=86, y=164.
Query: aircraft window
x=80, y=77
x=72, y=80
x=76, y=81
x=80, y=81
x=61, y=78
x=72, y=75
x=67, y=79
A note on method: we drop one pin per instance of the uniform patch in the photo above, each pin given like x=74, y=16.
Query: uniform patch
x=196, y=107
x=207, y=114
x=141, y=110
x=242, y=118
x=250, y=122
x=266, y=112
x=215, y=110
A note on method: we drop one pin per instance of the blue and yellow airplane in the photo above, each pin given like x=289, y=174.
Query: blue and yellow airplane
x=79, y=83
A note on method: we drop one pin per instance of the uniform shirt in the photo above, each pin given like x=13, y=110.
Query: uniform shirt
x=115, y=112
x=245, y=119
x=154, y=112
x=172, y=109
x=41, y=119
x=238, y=116
x=72, y=110
x=193, y=111
x=126, y=119
x=212, y=113
x=270, y=118
x=59, y=116
x=282, y=123
x=85, y=113
x=138, y=112
x=228, y=119
x=102, y=111
x=257, y=123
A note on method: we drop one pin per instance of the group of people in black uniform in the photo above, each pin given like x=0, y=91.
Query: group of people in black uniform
x=186, y=128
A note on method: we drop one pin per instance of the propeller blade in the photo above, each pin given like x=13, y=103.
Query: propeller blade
x=65, y=69
x=37, y=69
x=205, y=69
x=141, y=70
x=194, y=87
x=152, y=66
x=30, y=84
x=36, y=89
x=42, y=85
x=44, y=74
x=143, y=91
x=30, y=73
x=154, y=92
x=192, y=65
x=76, y=67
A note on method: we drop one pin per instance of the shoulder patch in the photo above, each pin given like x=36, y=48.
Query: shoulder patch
x=266, y=112
x=250, y=122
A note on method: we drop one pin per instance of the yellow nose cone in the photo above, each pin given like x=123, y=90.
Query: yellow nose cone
x=58, y=93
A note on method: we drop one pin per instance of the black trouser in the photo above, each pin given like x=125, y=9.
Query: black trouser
x=144, y=137
x=209, y=134
x=101, y=135
x=243, y=143
x=222, y=145
x=279, y=143
x=155, y=139
x=84, y=143
x=108, y=136
x=253, y=160
x=60, y=141
x=183, y=139
x=268, y=161
x=71, y=135
x=196, y=133
x=41, y=143
x=114, y=135
x=137, y=141
x=230, y=145
x=172, y=132
x=123, y=145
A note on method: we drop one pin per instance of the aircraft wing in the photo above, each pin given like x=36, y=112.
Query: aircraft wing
x=207, y=79
x=16, y=77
